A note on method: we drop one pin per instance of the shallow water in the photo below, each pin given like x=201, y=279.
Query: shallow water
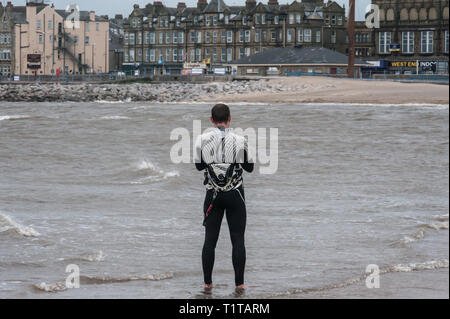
x=92, y=184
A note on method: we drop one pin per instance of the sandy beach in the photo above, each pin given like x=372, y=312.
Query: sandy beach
x=327, y=90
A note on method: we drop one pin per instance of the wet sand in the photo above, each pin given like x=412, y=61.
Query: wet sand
x=328, y=90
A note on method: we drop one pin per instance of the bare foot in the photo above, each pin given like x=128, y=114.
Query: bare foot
x=241, y=287
x=208, y=287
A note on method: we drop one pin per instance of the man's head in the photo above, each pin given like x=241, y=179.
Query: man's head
x=220, y=115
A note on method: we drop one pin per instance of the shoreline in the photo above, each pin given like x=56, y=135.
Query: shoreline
x=292, y=90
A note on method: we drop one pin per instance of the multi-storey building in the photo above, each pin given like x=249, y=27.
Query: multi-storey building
x=159, y=39
x=413, y=35
x=6, y=41
x=48, y=41
x=116, y=37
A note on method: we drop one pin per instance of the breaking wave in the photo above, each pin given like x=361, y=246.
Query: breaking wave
x=114, y=117
x=90, y=257
x=100, y=280
x=7, y=224
x=13, y=117
x=428, y=265
x=153, y=172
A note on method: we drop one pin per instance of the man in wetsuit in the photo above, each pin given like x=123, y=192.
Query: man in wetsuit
x=223, y=155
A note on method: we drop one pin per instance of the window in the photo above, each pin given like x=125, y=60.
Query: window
x=327, y=19
x=126, y=41
x=97, y=27
x=50, y=24
x=223, y=37
x=241, y=52
x=139, y=38
x=273, y=36
x=126, y=56
x=333, y=36
x=132, y=38
x=446, y=41
x=307, y=34
x=167, y=37
x=223, y=55
x=256, y=50
x=289, y=35
x=247, y=51
x=340, y=20
x=229, y=36
x=132, y=56
x=384, y=42
x=198, y=54
x=41, y=38
x=146, y=37
x=207, y=37
x=214, y=20
x=175, y=55
x=276, y=20
x=181, y=55
x=227, y=19
x=152, y=37
x=86, y=40
x=207, y=21
x=168, y=53
x=298, y=18
x=192, y=55
x=263, y=19
x=427, y=42
x=291, y=18
x=214, y=36
x=333, y=20
x=192, y=37
x=139, y=58
x=75, y=39
x=38, y=26
x=175, y=37
x=408, y=42
x=256, y=18
x=247, y=35
x=241, y=35
x=86, y=26
x=181, y=37
x=229, y=54
x=244, y=20
x=257, y=35
x=152, y=55
x=207, y=55
x=199, y=36
x=300, y=35
x=318, y=36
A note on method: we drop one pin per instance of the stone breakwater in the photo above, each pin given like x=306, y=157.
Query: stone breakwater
x=163, y=92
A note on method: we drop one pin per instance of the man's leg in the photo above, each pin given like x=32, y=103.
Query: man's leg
x=212, y=231
x=237, y=219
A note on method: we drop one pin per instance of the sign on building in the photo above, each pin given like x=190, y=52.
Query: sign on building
x=34, y=61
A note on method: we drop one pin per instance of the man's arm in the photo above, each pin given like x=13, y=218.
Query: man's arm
x=248, y=167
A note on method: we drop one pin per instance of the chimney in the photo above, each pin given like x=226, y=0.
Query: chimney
x=250, y=4
x=157, y=3
x=202, y=4
x=91, y=15
x=273, y=2
x=181, y=5
x=118, y=17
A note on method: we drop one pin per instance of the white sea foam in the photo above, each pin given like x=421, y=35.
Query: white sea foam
x=157, y=174
x=7, y=224
x=429, y=265
x=12, y=117
x=115, y=117
x=98, y=280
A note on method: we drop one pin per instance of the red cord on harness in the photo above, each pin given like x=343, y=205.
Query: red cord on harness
x=209, y=210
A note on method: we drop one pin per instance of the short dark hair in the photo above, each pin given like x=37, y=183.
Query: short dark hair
x=220, y=113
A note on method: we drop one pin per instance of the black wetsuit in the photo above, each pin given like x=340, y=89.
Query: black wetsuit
x=233, y=203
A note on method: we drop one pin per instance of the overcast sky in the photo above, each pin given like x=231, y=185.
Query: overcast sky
x=112, y=7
